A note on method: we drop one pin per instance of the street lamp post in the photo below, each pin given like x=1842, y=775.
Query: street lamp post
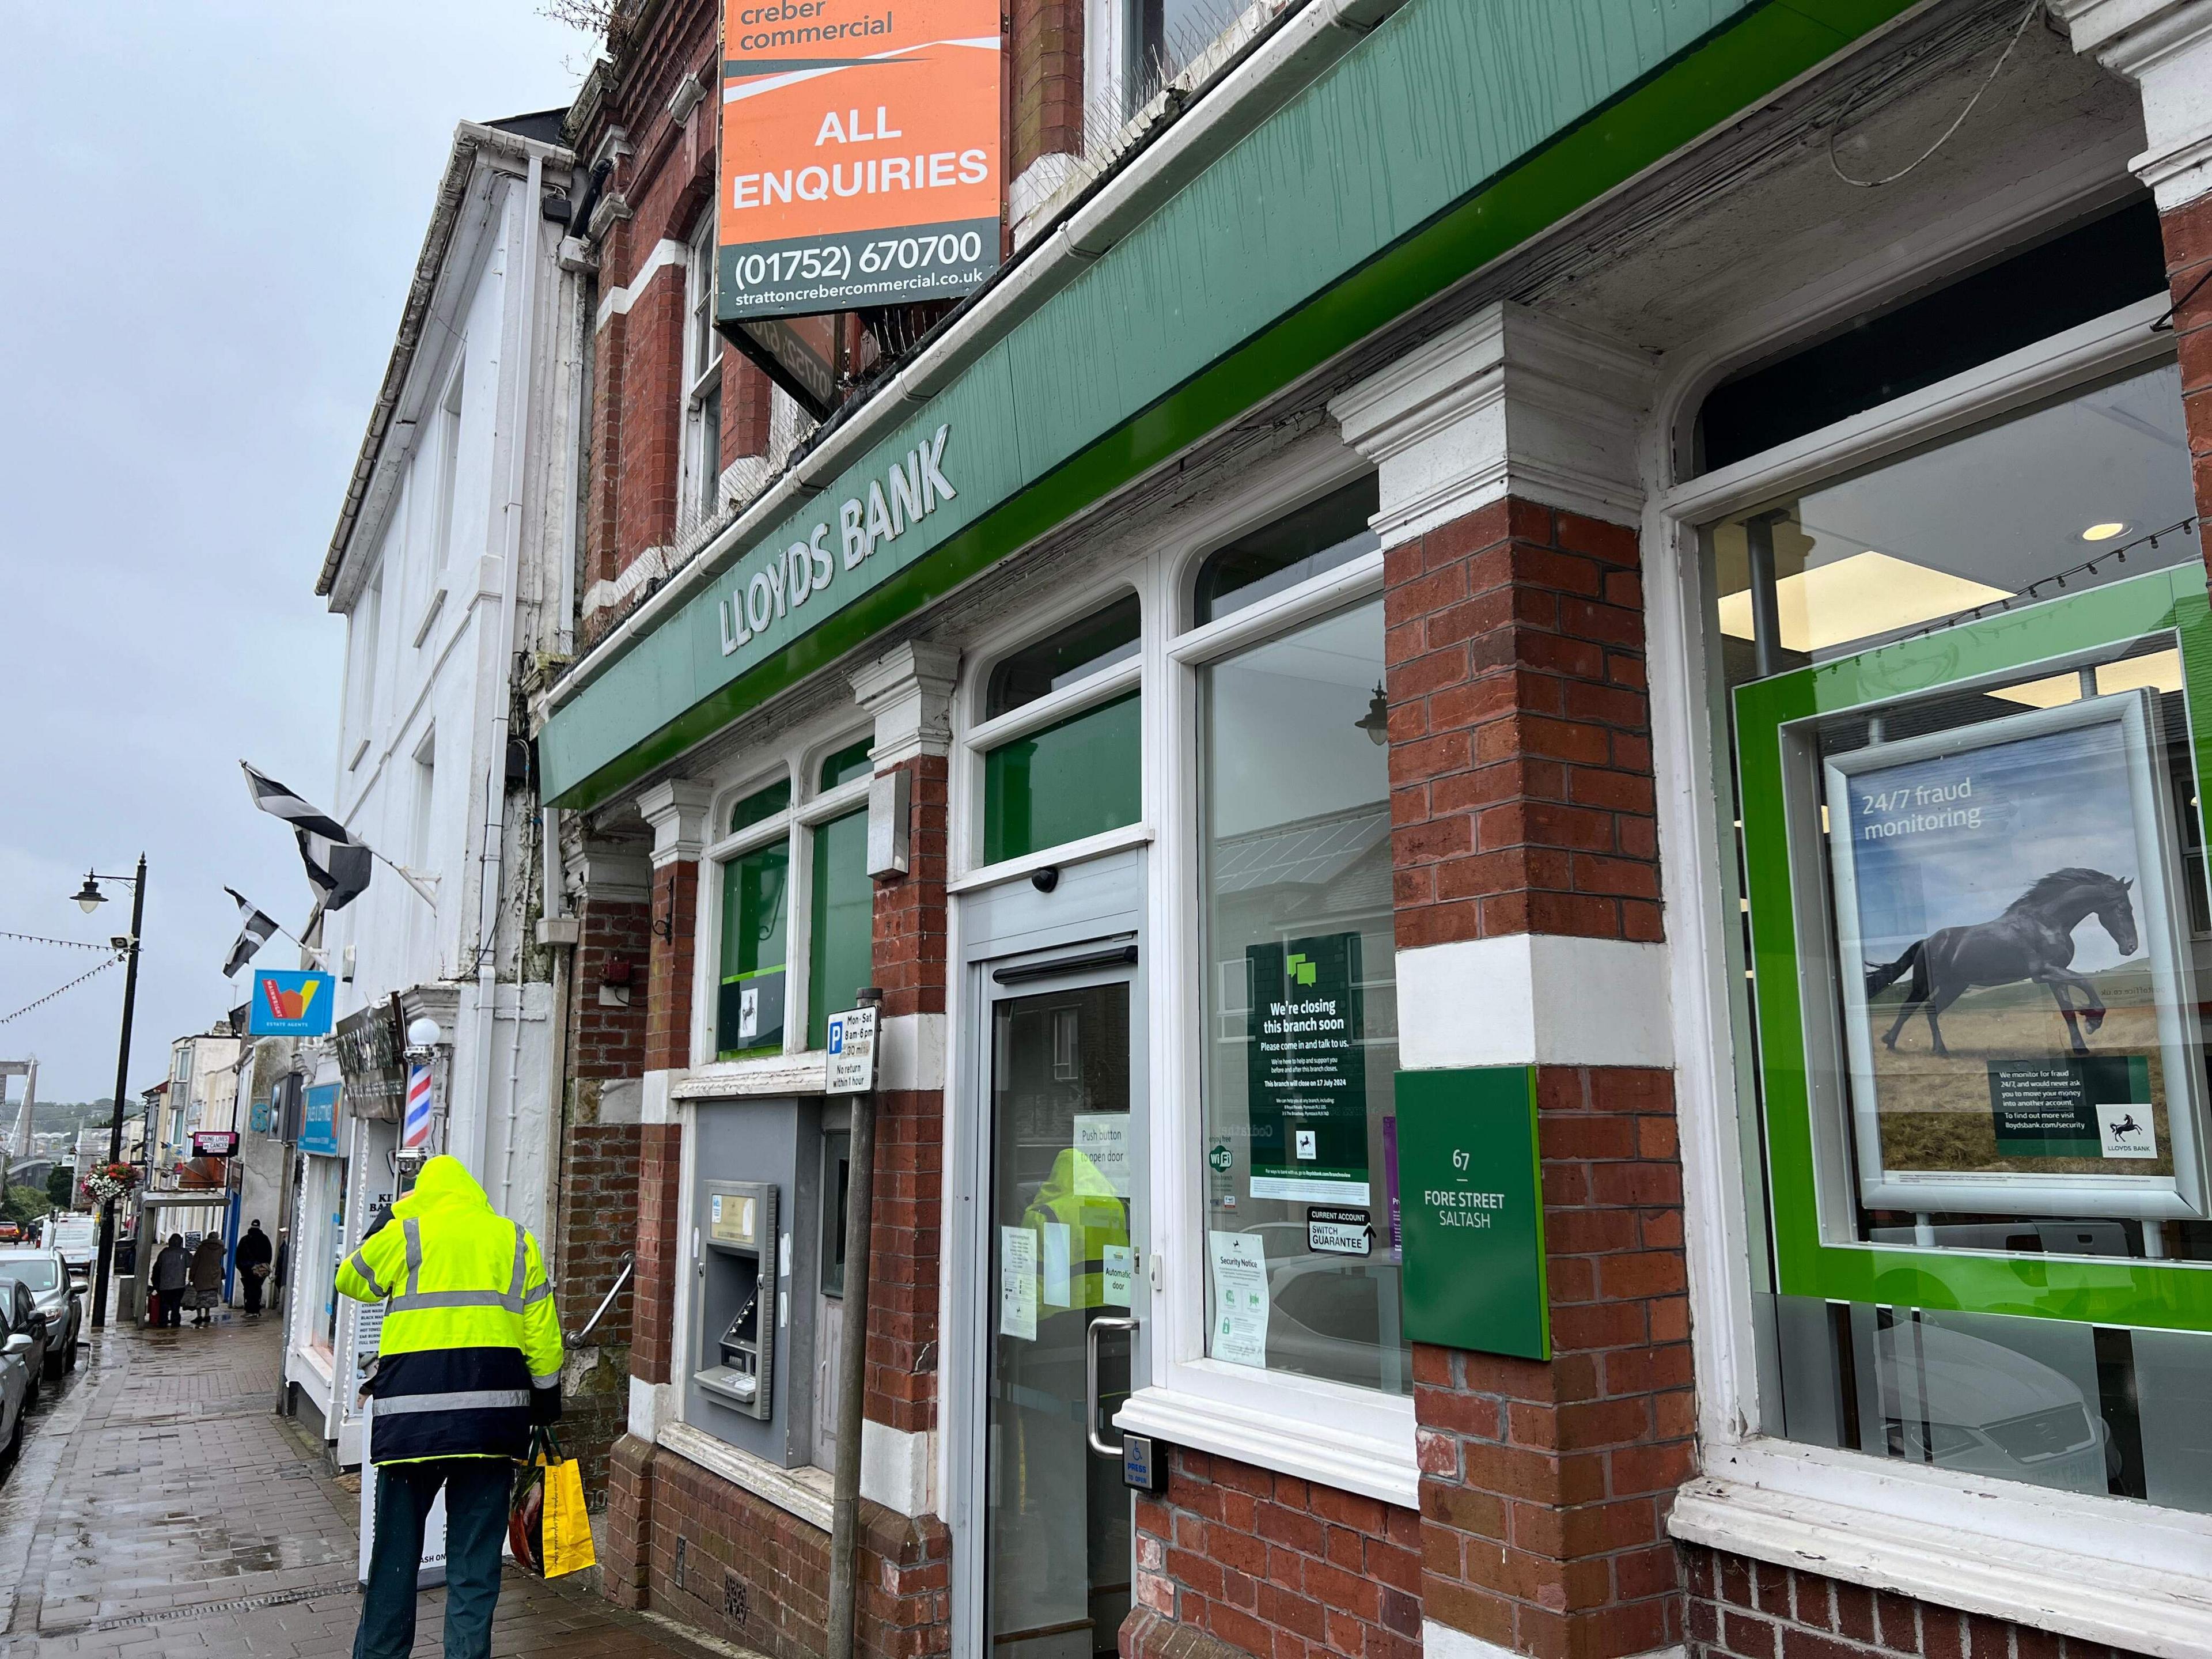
x=90, y=899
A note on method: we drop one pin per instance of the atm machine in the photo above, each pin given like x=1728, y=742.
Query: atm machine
x=754, y=1257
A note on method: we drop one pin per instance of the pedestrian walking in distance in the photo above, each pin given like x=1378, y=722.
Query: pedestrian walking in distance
x=207, y=1278
x=173, y=1272
x=252, y=1259
x=469, y=1358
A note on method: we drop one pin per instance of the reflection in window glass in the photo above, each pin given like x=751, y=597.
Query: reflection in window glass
x=1331, y=532
x=2005, y=880
x=1300, y=1148
x=1165, y=36
x=846, y=763
x=749, y=1007
x=836, y=1179
x=761, y=806
x=1082, y=648
x=1080, y=777
x=843, y=940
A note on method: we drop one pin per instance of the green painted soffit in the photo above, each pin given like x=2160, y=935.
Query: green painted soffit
x=1455, y=132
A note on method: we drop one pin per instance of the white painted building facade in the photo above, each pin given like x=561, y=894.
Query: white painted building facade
x=453, y=565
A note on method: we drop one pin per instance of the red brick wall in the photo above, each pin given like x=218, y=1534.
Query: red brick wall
x=2188, y=234
x=651, y=413
x=1272, y=1565
x=1520, y=735
x=909, y=951
x=607, y=1040
x=1048, y=80
x=660, y=1162
x=668, y=987
x=758, y=1576
x=1750, y=1610
x=746, y=403
x=1545, y=1486
x=599, y=1199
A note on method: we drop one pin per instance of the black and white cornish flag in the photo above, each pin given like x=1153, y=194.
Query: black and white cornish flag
x=273, y=798
x=255, y=930
x=338, y=862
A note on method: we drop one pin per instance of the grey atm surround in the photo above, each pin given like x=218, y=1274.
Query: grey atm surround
x=747, y=1146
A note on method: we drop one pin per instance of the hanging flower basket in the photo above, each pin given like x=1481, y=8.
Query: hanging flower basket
x=112, y=1182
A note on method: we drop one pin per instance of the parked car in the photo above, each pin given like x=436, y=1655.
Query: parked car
x=11, y=1232
x=57, y=1295
x=18, y=1364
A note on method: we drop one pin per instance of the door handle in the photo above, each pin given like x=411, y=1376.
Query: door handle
x=1090, y=1381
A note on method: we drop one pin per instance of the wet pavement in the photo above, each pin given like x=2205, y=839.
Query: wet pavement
x=158, y=1506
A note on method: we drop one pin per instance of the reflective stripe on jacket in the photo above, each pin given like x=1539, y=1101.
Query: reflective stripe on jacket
x=470, y=1330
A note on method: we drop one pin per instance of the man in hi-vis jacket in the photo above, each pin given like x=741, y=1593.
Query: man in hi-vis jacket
x=468, y=1359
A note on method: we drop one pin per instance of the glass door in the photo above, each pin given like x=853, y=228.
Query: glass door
x=1063, y=1269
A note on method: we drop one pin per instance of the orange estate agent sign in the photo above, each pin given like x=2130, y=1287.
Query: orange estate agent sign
x=860, y=158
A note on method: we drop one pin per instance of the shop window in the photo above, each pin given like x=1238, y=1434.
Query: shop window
x=2098, y=268
x=846, y=764
x=1966, y=693
x=1331, y=532
x=749, y=1009
x=761, y=806
x=1082, y=776
x=1300, y=1165
x=843, y=936
x=1082, y=648
x=1079, y=776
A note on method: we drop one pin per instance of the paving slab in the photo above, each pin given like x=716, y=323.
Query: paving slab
x=161, y=1505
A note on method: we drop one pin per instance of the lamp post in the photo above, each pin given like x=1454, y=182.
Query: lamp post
x=89, y=898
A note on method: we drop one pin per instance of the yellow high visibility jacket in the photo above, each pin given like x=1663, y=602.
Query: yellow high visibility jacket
x=471, y=1350
x=1076, y=1197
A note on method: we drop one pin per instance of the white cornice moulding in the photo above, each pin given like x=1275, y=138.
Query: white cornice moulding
x=2164, y=46
x=895, y=1468
x=1508, y=403
x=908, y=690
x=677, y=810
x=1442, y=1642
x=616, y=302
x=1534, y=999
x=803, y=1492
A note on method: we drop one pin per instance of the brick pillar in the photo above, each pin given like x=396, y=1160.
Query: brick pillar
x=906, y=1607
x=1047, y=89
x=598, y=1191
x=1525, y=852
x=2166, y=49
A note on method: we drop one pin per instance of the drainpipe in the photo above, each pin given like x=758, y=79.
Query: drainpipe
x=852, y=1360
x=520, y=374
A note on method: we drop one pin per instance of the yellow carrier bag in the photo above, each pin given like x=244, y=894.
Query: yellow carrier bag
x=546, y=1524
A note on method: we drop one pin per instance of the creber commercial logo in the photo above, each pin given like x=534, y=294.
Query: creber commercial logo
x=292, y=1004
x=860, y=154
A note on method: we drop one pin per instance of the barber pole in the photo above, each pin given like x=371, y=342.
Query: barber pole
x=416, y=1130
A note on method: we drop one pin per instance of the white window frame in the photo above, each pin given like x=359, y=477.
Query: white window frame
x=698, y=489
x=2099, y=1568
x=800, y=757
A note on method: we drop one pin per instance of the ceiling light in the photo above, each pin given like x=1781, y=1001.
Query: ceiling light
x=1867, y=593
x=2102, y=532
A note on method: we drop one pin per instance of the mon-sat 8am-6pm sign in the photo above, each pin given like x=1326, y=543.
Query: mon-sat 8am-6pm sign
x=860, y=157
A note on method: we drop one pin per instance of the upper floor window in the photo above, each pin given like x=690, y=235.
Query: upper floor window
x=702, y=379
x=1165, y=36
x=449, y=465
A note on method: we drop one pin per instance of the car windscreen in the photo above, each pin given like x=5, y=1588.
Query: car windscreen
x=31, y=1275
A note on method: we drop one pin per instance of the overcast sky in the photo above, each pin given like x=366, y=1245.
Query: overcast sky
x=215, y=209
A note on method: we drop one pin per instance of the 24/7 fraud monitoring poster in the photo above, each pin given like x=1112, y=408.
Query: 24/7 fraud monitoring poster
x=860, y=158
x=2017, y=1004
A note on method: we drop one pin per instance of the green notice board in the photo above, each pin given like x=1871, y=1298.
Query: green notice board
x=1472, y=1203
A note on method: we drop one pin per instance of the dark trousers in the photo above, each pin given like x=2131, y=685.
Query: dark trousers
x=476, y=1523
x=172, y=1308
x=252, y=1287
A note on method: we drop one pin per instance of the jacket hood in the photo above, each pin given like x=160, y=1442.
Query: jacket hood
x=444, y=1183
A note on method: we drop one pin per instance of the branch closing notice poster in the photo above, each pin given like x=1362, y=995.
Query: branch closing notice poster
x=1307, y=1069
x=860, y=160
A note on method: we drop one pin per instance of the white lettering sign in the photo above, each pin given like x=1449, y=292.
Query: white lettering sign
x=771, y=583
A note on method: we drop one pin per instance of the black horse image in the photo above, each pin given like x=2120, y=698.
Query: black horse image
x=2034, y=939
x=2127, y=1126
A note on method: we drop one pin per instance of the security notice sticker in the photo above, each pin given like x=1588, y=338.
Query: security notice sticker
x=1241, y=1298
x=1306, y=1071
x=1017, y=1282
x=1474, y=1212
x=860, y=162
